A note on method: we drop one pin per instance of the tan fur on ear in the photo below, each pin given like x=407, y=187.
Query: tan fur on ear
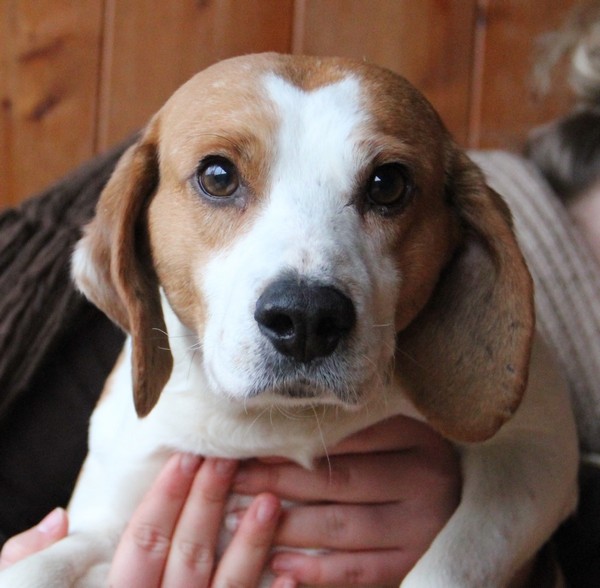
x=113, y=267
x=465, y=358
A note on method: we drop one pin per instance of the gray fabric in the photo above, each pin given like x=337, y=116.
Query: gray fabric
x=567, y=280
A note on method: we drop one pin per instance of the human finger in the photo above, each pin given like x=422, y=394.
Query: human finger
x=354, y=478
x=246, y=556
x=194, y=545
x=51, y=529
x=284, y=582
x=366, y=568
x=144, y=547
x=396, y=433
x=396, y=525
x=392, y=434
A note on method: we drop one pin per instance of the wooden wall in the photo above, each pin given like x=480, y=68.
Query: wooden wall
x=76, y=76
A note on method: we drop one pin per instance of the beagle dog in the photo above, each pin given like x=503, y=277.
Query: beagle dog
x=295, y=236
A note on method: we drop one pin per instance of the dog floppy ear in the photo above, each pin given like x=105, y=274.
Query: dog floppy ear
x=465, y=357
x=112, y=265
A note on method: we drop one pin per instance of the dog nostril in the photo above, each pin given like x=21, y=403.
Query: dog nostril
x=279, y=323
x=304, y=321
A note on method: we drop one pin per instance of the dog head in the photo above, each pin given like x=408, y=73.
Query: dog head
x=313, y=224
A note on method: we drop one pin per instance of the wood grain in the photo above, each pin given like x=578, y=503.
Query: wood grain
x=78, y=76
x=48, y=87
x=153, y=47
x=508, y=105
x=430, y=42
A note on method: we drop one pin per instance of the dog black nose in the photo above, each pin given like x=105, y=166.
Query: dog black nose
x=304, y=320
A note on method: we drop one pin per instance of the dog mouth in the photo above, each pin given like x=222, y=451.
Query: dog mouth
x=304, y=386
x=299, y=397
x=299, y=392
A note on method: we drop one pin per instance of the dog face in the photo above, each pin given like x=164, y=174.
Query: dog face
x=312, y=223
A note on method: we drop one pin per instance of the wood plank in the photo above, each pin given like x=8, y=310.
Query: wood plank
x=430, y=42
x=74, y=80
x=48, y=87
x=509, y=105
x=7, y=193
x=153, y=47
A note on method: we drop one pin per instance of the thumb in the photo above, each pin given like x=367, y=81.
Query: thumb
x=52, y=528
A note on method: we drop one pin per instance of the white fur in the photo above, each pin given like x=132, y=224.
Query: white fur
x=305, y=227
x=517, y=487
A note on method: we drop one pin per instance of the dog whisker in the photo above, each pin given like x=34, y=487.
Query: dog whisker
x=175, y=336
x=259, y=415
x=271, y=407
x=290, y=414
x=322, y=437
x=168, y=336
x=409, y=357
x=197, y=346
x=191, y=364
x=369, y=360
x=161, y=331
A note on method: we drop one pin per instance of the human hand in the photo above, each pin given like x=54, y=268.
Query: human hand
x=171, y=539
x=376, y=502
x=52, y=528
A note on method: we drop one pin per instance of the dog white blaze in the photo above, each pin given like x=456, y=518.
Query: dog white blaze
x=308, y=227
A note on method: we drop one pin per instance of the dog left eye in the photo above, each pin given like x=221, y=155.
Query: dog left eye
x=218, y=177
x=390, y=186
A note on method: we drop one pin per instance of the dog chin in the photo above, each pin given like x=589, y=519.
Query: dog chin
x=301, y=396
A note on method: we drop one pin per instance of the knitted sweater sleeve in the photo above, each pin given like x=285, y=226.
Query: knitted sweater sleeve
x=567, y=281
x=38, y=302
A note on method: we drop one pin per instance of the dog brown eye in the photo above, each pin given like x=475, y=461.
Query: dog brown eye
x=218, y=177
x=390, y=186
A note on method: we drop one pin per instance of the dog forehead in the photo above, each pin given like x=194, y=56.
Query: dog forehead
x=241, y=89
x=341, y=99
x=319, y=130
x=261, y=108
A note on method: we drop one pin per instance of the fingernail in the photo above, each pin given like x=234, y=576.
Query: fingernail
x=189, y=463
x=281, y=563
x=267, y=510
x=285, y=582
x=51, y=522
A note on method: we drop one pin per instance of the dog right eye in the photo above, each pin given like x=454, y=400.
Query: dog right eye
x=217, y=177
